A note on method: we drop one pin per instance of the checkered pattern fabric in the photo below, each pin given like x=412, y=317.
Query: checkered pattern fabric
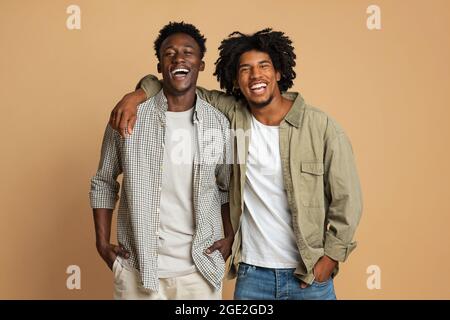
x=140, y=158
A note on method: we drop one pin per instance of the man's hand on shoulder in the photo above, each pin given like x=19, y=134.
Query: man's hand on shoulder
x=123, y=116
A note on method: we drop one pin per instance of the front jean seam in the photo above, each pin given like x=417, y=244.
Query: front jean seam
x=288, y=285
x=277, y=289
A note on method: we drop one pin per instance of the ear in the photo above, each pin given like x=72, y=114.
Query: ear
x=202, y=65
x=158, y=66
x=278, y=75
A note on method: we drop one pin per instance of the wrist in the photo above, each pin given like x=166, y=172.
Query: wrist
x=136, y=97
x=330, y=261
x=101, y=245
x=131, y=97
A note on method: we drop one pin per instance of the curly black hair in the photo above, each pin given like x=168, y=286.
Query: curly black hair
x=180, y=27
x=275, y=43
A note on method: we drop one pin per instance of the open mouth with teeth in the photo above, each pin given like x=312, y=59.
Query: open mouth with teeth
x=180, y=73
x=258, y=87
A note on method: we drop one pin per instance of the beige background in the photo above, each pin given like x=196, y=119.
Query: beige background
x=388, y=88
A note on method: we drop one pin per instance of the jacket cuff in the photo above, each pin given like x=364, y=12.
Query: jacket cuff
x=336, y=249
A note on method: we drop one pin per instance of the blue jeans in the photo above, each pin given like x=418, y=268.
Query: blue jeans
x=257, y=283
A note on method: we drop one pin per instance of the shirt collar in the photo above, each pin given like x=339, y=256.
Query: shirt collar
x=294, y=116
x=162, y=105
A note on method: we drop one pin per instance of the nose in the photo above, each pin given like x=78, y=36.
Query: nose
x=178, y=57
x=255, y=73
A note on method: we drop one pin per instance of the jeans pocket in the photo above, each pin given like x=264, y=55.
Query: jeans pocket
x=117, y=268
x=244, y=269
x=321, y=283
x=114, y=266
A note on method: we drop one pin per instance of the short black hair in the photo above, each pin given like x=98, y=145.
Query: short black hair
x=180, y=27
x=275, y=43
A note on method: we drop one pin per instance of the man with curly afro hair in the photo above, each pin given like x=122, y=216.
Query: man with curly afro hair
x=295, y=198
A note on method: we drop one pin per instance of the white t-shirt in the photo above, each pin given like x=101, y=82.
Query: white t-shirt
x=268, y=239
x=177, y=223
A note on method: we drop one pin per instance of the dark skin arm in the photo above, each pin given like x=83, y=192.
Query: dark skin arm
x=224, y=245
x=123, y=116
x=108, y=251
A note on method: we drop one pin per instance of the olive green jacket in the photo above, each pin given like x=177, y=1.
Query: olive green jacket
x=319, y=172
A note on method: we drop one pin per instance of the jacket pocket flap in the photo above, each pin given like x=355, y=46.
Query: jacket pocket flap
x=315, y=168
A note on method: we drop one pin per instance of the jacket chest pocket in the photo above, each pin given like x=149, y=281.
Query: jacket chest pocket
x=311, y=184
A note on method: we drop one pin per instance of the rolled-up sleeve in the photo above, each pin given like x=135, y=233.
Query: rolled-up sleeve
x=104, y=186
x=342, y=188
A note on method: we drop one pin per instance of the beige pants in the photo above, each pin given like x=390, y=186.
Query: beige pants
x=194, y=286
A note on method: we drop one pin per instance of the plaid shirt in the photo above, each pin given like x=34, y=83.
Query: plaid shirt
x=140, y=158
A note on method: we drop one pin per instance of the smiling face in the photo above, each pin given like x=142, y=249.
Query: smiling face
x=257, y=78
x=180, y=63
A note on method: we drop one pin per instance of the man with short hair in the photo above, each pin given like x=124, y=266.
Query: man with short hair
x=175, y=185
x=295, y=195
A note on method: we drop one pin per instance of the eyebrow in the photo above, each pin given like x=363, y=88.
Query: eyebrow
x=248, y=65
x=184, y=46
